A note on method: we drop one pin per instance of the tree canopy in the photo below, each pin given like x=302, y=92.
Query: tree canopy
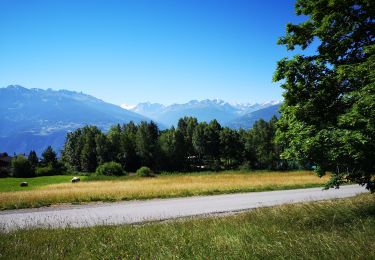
x=189, y=147
x=329, y=99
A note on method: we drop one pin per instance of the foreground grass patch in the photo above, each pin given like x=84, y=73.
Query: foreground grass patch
x=338, y=229
x=160, y=187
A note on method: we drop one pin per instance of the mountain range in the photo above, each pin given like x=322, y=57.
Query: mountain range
x=227, y=114
x=32, y=119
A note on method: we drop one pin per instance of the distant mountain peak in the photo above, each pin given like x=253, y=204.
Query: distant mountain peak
x=127, y=106
x=203, y=110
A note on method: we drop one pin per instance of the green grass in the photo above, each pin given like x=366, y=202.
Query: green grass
x=13, y=184
x=338, y=229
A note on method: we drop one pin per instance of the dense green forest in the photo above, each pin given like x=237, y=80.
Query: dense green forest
x=191, y=146
x=188, y=147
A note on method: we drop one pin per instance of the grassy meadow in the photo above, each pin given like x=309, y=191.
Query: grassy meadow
x=162, y=186
x=337, y=229
x=12, y=184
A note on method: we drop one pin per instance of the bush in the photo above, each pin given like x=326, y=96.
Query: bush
x=246, y=166
x=144, y=172
x=50, y=170
x=21, y=167
x=46, y=171
x=4, y=172
x=110, y=169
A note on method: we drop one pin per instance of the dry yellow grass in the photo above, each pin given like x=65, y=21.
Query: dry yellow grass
x=159, y=187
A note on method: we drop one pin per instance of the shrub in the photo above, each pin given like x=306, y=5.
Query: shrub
x=50, y=170
x=246, y=166
x=46, y=171
x=109, y=169
x=4, y=172
x=21, y=167
x=144, y=172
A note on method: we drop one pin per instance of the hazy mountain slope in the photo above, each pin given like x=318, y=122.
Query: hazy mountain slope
x=35, y=118
x=247, y=121
x=205, y=110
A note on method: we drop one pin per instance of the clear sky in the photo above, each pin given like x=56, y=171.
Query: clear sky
x=130, y=51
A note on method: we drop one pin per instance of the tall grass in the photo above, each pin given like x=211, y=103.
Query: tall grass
x=159, y=187
x=338, y=229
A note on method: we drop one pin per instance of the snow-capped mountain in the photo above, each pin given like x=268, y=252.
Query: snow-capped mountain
x=36, y=118
x=204, y=110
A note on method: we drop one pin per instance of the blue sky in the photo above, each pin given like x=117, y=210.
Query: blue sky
x=137, y=50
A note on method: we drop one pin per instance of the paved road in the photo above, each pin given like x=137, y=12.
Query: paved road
x=161, y=209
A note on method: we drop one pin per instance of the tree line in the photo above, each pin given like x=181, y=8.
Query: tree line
x=32, y=165
x=188, y=147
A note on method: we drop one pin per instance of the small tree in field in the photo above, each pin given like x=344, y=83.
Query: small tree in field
x=21, y=167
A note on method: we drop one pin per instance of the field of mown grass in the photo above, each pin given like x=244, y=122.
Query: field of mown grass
x=163, y=186
x=337, y=229
x=12, y=184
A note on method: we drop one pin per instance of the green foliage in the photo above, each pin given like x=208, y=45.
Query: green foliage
x=49, y=157
x=47, y=170
x=199, y=140
x=192, y=146
x=21, y=167
x=186, y=127
x=144, y=172
x=89, y=160
x=103, y=148
x=147, y=143
x=5, y=172
x=110, y=169
x=328, y=114
x=260, y=150
x=71, y=154
x=173, y=150
x=131, y=160
x=33, y=159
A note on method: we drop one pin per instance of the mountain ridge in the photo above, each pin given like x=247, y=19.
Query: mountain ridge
x=37, y=114
x=203, y=110
x=32, y=119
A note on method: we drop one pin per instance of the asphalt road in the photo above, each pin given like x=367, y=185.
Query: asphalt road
x=161, y=209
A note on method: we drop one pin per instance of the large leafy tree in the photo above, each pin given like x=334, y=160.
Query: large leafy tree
x=89, y=155
x=186, y=126
x=130, y=160
x=49, y=157
x=328, y=114
x=147, y=143
x=172, y=145
x=260, y=149
x=71, y=154
x=231, y=147
x=33, y=159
